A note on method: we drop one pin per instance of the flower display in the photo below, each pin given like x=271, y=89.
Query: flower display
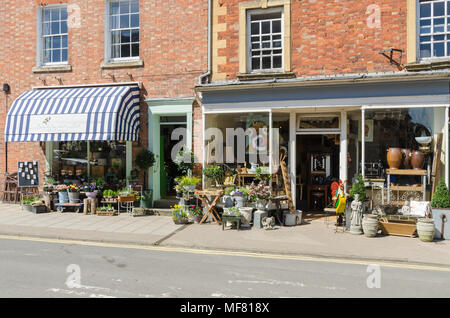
x=195, y=210
x=73, y=188
x=259, y=191
x=89, y=187
x=61, y=188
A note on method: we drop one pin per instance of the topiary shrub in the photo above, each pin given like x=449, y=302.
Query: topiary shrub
x=358, y=188
x=441, y=197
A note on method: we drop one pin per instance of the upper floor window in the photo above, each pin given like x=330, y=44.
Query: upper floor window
x=123, y=29
x=54, y=35
x=265, y=40
x=434, y=26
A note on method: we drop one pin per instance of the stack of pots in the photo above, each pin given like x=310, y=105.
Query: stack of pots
x=397, y=157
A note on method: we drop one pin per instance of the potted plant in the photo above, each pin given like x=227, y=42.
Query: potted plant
x=29, y=204
x=197, y=213
x=179, y=216
x=126, y=195
x=215, y=173
x=179, y=189
x=63, y=195
x=185, y=161
x=49, y=185
x=260, y=194
x=144, y=161
x=106, y=210
x=90, y=189
x=74, y=193
x=240, y=196
x=262, y=174
x=233, y=211
x=189, y=183
x=440, y=207
x=227, y=198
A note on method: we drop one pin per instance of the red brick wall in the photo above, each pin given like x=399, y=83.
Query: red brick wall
x=173, y=35
x=328, y=37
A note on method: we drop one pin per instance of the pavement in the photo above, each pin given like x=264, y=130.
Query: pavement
x=313, y=238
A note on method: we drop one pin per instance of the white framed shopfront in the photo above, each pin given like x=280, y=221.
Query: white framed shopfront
x=165, y=107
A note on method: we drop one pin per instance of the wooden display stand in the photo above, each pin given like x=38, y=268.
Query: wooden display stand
x=90, y=206
x=210, y=204
x=405, y=172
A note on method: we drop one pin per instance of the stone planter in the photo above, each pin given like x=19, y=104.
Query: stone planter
x=28, y=207
x=425, y=229
x=63, y=197
x=246, y=213
x=74, y=197
x=181, y=221
x=441, y=219
x=91, y=195
x=261, y=204
x=240, y=201
x=370, y=225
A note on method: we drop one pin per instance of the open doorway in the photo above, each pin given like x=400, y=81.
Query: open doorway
x=317, y=168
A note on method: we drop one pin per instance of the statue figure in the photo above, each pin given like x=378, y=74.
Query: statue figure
x=406, y=209
x=357, y=211
x=268, y=223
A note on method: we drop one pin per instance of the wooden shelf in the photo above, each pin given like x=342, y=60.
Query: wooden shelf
x=406, y=172
x=407, y=188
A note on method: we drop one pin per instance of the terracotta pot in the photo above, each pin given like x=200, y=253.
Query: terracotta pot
x=394, y=158
x=417, y=159
x=406, y=153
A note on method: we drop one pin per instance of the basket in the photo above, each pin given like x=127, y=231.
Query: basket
x=106, y=213
x=128, y=198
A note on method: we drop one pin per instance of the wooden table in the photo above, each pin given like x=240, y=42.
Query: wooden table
x=210, y=204
x=406, y=172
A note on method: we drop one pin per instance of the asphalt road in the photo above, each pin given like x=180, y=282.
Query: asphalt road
x=48, y=269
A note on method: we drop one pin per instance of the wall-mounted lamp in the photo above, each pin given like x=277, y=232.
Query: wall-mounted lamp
x=6, y=88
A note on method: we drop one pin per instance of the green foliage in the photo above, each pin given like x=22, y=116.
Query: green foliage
x=29, y=201
x=215, y=173
x=109, y=193
x=441, y=197
x=145, y=159
x=186, y=180
x=228, y=190
x=263, y=174
x=358, y=188
x=185, y=160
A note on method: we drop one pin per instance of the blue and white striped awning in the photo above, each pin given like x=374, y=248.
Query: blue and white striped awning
x=73, y=114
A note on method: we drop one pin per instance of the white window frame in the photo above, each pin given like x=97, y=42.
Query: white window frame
x=108, y=44
x=445, y=33
x=249, y=42
x=40, y=39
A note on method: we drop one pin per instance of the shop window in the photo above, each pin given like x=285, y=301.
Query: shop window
x=434, y=29
x=123, y=30
x=53, y=35
x=107, y=160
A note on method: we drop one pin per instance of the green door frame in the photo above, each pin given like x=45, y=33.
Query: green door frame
x=156, y=109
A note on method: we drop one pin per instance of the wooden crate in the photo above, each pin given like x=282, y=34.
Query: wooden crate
x=106, y=213
x=400, y=227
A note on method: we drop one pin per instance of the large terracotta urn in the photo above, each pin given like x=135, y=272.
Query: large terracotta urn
x=406, y=153
x=394, y=158
x=417, y=159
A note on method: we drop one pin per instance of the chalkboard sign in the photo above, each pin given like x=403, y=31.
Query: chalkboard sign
x=28, y=174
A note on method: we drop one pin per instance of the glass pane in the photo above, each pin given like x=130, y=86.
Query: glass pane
x=125, y=36
x=438, y=9
x=267, y=52
x=63, y=13
x=55, y=28
x=425, y=50
x=115, y=37
x=64, y=41
x=47, y=43
x=277, y=61
x=47, y=56
x=114, y=8
x=266, y=45
x=64, y=55
x=55, y=14
x=425, y=39
x=134, y=7
x=266, y=63
x=425, y=10
x=47, y=15
x=438, y=49
x=56, y=42
x=265, y=26
x=276, y=27
x=439, y=37
x=56, y=56
x=115, y=51
x=255, y=28
x=256, y=53
x=277, y=52
x=277, y=44
x=124, y=21
x=46, y=29
x=135, y=50
x=276, y=37
x=255, y=46
x=134, y=20
x=124, y=7
x=439, y=28
x=425, y=30
x=265, y=38
x=134, y=35
x=256, y=64
x=125, y=50
x=114, y=22
x=318, y=122
x=64, y=27
x=255, y=39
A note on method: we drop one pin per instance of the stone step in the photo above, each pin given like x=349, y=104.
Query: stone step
x=165, y=203
x=160, y=212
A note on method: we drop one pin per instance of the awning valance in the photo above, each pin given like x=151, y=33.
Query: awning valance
x=74, y=114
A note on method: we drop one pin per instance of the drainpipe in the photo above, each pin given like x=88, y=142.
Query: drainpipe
x=208, y=73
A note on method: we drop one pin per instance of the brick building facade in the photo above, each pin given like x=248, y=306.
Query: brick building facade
x=172, y=55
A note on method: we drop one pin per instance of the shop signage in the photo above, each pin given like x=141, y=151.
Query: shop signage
x=28, y=173
x=419, y=208
x=58, y=123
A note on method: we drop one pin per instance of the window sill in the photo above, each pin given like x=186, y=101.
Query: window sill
x=122, y=64
x=52, y=68
x=265, y=76
x=428, y=65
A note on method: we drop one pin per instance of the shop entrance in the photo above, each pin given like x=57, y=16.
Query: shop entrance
x=169, y=170
x=317, y=168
